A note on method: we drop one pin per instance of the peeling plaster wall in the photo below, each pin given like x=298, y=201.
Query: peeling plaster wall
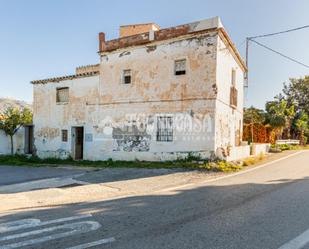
x=51, y=117
x=155, y=89
x=229, y=121
x=153, y=71
x=103, y=104
x=18, y=140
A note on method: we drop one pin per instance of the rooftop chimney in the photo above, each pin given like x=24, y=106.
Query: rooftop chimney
x=101, y=41
x=128, y=30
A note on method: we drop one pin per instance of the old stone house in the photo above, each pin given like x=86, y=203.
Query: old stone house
x=156, y=94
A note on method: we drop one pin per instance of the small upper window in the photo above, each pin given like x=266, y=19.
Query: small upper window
x=62, y=95
x=64, y=135
x=127, y=76
x=233, y=77
x=180, y=67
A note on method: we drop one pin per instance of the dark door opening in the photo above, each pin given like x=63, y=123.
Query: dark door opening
x=29, y=139
x=79, y=143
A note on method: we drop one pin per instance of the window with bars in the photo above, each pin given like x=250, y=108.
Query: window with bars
x=127, y=77
x=64, y=135
x=165, y=129
x=180, y=67
x=62, y=95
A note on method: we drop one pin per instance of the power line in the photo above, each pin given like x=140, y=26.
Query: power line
x=278, y=33
x=281, y=54
x=268, y=48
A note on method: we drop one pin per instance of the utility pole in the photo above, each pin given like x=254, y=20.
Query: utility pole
x=247, y=63
x=252, y=38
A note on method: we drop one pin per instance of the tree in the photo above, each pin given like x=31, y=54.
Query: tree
x=296, y=92
x=302, y=127
x=253, y=116
x=289, y=116
x=12, y=119
x=276, y=115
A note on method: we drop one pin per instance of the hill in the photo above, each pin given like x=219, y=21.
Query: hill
x=8, y=102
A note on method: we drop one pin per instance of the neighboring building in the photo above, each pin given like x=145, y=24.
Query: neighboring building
x=18, y=141
x=157, y=94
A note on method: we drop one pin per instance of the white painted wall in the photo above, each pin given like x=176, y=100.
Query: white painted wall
x=18, y=140
x=228, y=120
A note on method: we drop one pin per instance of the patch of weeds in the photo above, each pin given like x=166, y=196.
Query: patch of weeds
x=191, y=162
x=223, y=166
x=253, y=160
x=261, y=156
x=249, y=161
x=193, y=157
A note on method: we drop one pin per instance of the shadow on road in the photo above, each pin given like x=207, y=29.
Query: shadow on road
x=220, y=216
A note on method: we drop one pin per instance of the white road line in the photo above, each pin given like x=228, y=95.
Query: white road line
x=19, y=224
x=35, y=232
x=29, y=223
x=94, y=243
x=76, y=228
x=297, y=243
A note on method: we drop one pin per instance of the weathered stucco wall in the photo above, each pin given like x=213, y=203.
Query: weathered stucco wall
x=229, y=121
x=156, y=90
x=51, y=117
x=120, y=120
x=18, y=140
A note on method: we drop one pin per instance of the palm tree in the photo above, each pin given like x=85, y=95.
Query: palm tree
x=289, y=116
x=302, y=127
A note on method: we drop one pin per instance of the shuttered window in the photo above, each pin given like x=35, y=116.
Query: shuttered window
x=62, y=95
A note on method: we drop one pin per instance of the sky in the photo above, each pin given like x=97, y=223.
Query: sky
x=41, y=39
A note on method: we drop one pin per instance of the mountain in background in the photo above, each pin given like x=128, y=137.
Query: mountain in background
x=8, y=102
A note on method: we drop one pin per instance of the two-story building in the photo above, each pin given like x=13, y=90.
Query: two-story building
x=156, y=94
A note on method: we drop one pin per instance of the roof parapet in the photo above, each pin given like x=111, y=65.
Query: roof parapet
x=157, y=35
x=81, y=72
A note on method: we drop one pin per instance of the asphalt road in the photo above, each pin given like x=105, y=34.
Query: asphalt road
x=264, y=208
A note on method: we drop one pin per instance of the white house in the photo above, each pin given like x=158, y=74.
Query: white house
x=156, y=94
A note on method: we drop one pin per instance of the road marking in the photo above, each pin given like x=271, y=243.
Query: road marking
x=35, y=232
x=76, y=228
x=297, y=243
x=94, y=243
x=19, y=224
x=29, y=223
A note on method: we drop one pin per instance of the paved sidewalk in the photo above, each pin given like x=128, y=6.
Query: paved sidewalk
x=99, y=191
x=110, y=184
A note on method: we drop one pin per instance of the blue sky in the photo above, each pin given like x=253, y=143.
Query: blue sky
x=40, y=39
